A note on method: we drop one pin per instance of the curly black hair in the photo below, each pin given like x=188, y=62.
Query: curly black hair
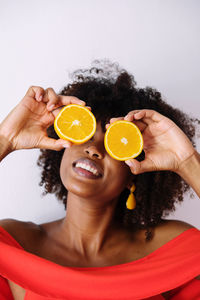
x=111, y=92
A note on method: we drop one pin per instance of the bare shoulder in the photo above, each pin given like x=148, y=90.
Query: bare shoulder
x=173, y=228
x=169, y=229
x=25, y=233
x=176, y=225
x=166, y=231
x=13, y=224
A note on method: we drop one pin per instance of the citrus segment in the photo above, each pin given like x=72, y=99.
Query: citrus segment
x=75, y=123
x=123, y=140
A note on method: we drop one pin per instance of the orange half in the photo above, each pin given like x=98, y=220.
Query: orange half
x=75, y=123
x=123, y=140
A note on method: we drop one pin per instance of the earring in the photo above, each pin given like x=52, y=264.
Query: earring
x=131, y=202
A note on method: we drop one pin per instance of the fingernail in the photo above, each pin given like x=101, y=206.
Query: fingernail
x=66, y=145
x=51, y=107
x=40, y=98
x=128, y=162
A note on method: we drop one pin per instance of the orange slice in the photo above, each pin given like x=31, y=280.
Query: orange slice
x=123, y=140
x=75, y=123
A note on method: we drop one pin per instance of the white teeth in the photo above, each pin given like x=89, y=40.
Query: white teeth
x=87, y=167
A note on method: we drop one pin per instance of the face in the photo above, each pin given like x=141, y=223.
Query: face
x=109, y=177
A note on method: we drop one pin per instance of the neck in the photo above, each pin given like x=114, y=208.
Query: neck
x=88, y=228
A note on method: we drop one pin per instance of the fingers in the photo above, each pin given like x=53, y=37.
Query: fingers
x=116, y=119
x=39, y=94
x=141, y=118
x=137, y=167
x=53, y=144
x=65, y=100
x=50, y=98
x=113, y=120
x=36, y=92
x=53, y=100
x=148, y=116
x=141, y=125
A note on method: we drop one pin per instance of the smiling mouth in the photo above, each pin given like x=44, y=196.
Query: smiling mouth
x=90, y=174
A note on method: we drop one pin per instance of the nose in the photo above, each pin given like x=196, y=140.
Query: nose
x=93, y=151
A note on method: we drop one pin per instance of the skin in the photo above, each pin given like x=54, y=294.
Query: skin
x=90, y=206
x=91, y=203
x=88, y=228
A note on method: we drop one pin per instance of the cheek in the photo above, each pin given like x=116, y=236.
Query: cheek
x=119, y=176
x=65, y=165
x=115, y=185
x=123, y=178
x=121, y=170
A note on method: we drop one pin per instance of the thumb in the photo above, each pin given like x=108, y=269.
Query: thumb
x=138, y=167
x=53, y=144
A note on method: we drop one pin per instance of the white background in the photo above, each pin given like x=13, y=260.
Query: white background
x=42, y=40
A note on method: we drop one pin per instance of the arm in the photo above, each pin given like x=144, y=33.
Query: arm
x=5, y=147
x=189, y=170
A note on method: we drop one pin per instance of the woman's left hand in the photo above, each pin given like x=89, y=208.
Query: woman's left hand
x=166, y=146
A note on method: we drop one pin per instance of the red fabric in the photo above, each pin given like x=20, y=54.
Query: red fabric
x=173, y=265
x=188, y=291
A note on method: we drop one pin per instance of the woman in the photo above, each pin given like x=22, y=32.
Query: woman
x=102, y=250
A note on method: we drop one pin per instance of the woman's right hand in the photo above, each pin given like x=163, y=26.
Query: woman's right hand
x=26, y=125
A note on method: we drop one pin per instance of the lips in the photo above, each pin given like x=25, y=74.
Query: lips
x=90, y=163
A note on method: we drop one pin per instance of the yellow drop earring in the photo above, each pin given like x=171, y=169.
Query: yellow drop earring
x=131, y=202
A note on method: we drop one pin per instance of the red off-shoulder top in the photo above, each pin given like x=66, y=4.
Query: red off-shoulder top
x=172, y=266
